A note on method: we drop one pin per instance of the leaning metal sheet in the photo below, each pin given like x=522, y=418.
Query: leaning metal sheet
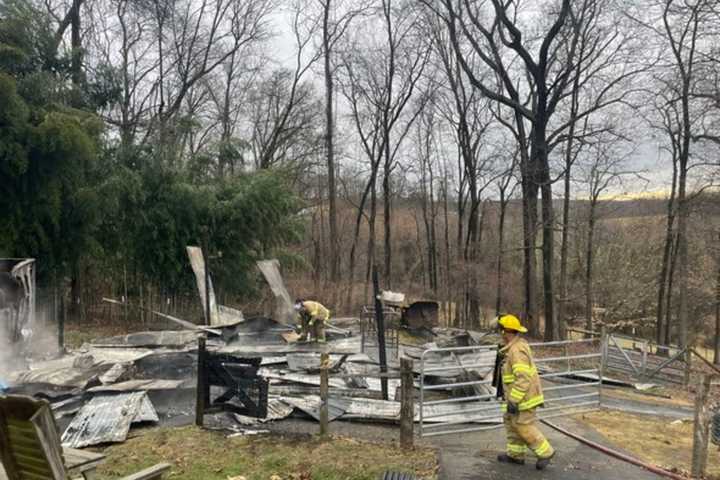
x=197, y=262
x=107, y=419
x=271, y=271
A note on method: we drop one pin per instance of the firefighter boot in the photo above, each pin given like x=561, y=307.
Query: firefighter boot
x=542, y=463
x=505, y=458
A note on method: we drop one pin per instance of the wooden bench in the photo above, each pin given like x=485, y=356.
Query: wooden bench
x=30, y=446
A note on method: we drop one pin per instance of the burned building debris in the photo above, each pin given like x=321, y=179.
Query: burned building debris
x=252, y=370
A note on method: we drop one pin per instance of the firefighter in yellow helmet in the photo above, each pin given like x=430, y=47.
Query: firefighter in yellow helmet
x=313, y=317
x=522, y=395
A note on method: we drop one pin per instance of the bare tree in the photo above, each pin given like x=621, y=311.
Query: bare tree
x=468, y=114
x=506, y=186
x=283, y=116
x=425, y=146
x=604, y=170
x=380, y=77
x=683, y=29
x=717, y=309
x=531, y=75
x=337, y=17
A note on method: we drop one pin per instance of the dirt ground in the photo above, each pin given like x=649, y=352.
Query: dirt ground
x=661, y=441
x=666, y=397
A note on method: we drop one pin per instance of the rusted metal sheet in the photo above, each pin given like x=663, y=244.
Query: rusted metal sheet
x=107, y=419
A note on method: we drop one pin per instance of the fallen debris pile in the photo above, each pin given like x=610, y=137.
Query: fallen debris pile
x=103, y=389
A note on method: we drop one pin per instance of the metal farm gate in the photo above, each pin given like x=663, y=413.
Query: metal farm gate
x=646, y=361
x=456, y=394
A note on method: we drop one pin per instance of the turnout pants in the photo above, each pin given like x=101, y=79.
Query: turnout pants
x=523, y=434
x=312, y=326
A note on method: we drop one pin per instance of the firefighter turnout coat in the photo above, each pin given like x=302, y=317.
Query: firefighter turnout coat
x=521, y=382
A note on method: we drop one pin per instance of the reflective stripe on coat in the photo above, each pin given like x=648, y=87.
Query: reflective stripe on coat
x=520, y=376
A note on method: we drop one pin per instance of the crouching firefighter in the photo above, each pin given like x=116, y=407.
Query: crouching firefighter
x=313, y=316
x=516, y=380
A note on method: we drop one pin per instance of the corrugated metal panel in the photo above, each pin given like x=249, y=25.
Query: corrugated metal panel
x=138, y=385
x=147, y=412
x=107, y=419
x=310, y=404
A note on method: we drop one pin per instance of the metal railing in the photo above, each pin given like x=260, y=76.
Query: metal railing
x=480, y=409
x=642, y=360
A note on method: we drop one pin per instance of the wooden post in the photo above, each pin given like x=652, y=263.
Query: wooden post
x=566, y=349
x=324, y=372
x=688, y=365
x=201, y=383
x=407, y=404
x=603, y=359
x=643, y=366
x=701, y=429
x=381, y=334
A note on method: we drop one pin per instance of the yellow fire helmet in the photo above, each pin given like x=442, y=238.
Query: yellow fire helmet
x=511, y=322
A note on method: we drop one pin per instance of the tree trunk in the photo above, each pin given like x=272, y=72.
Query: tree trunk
x=564, y=246
x=75, y=43
x=540, y=155
x=330, y=148
x=386, y=224
x=717, y=315
x=501, y=239
x=589, y=268
x=662, y=327
x=371, y=237
x=530, y=187
x=447, y=250
x=683, y=213
x=75, y=293
x=669, y=295
x=356, y=237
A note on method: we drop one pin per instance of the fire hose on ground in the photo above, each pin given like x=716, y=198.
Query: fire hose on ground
x=614, y=453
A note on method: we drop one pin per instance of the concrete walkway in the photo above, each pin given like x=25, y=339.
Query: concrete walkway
x=472, y=456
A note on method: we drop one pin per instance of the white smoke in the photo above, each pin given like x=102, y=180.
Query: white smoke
x=10, y=358
x=39, y=341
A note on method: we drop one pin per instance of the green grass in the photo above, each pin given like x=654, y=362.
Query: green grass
x=206, y=455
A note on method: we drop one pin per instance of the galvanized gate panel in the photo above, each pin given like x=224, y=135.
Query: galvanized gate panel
x=640, y=360
x=575, y=385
